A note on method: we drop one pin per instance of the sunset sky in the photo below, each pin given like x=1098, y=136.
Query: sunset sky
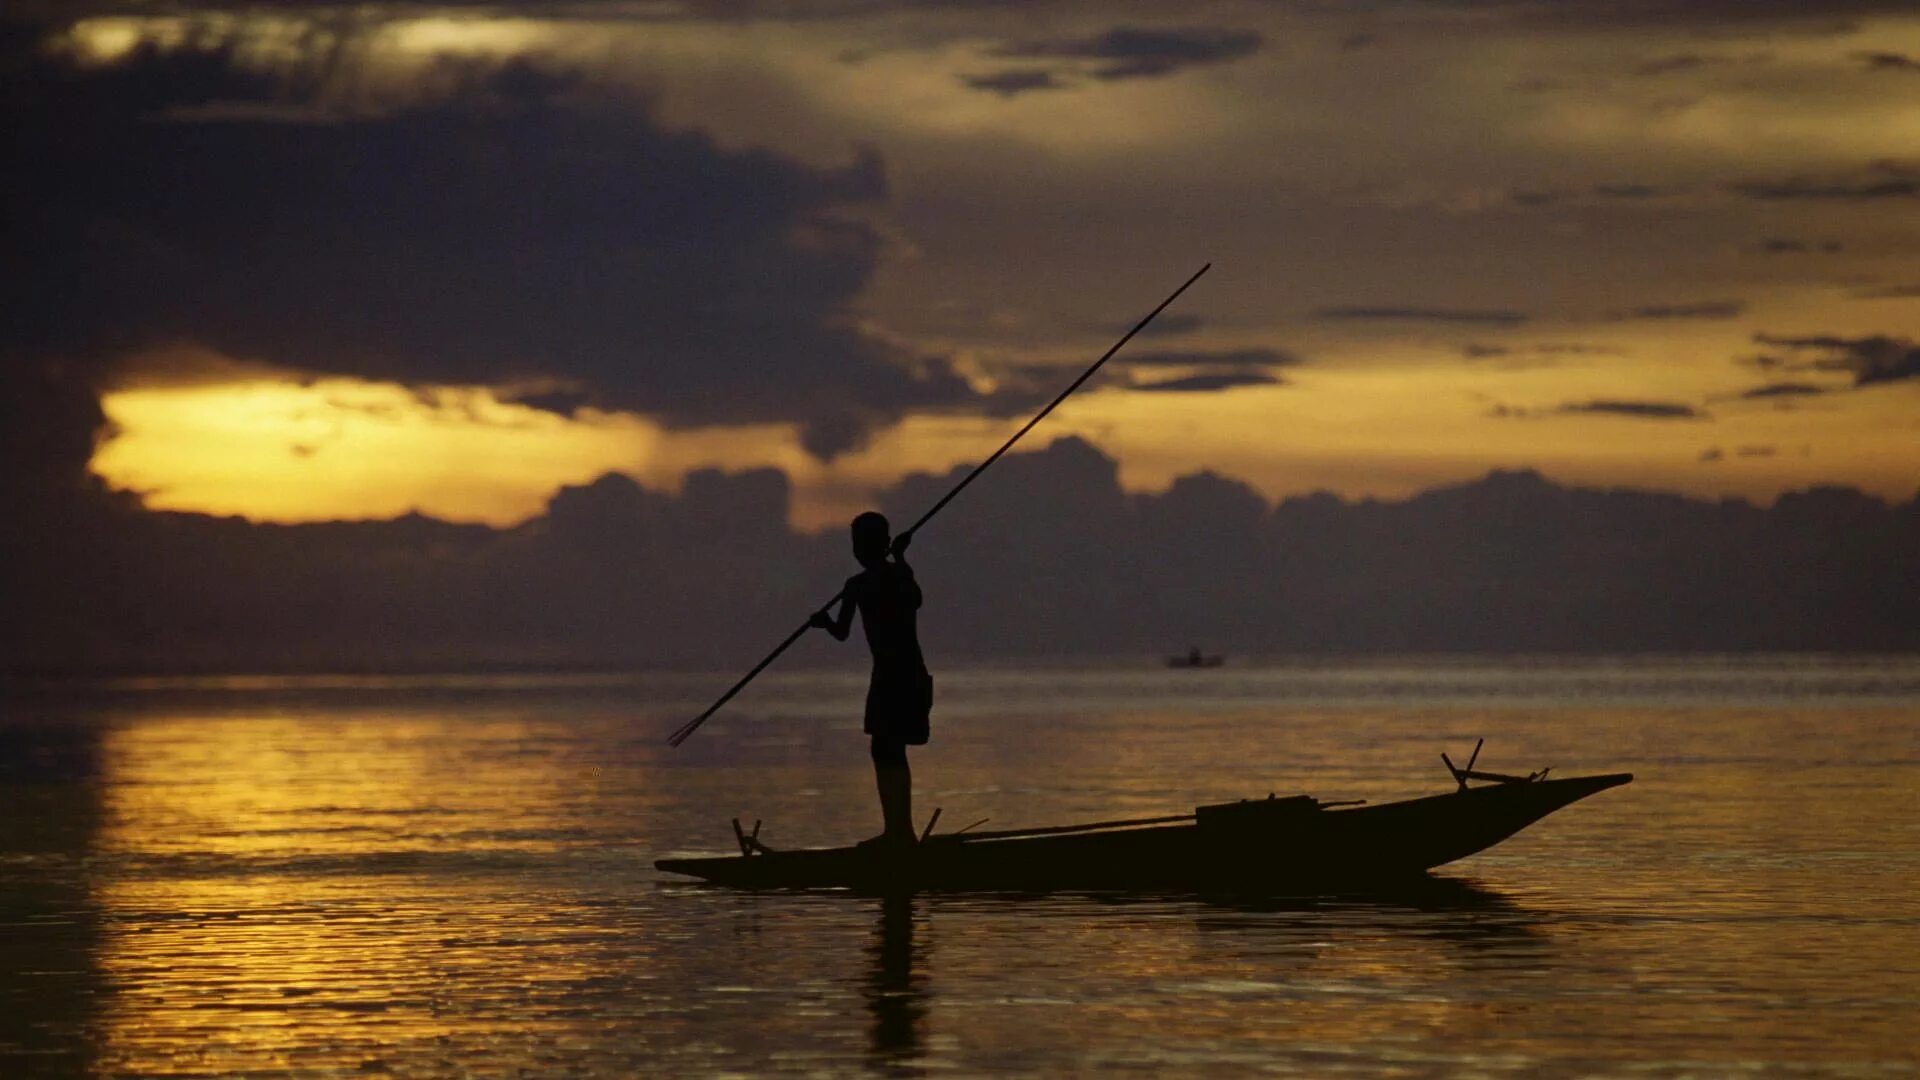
x=347, y=262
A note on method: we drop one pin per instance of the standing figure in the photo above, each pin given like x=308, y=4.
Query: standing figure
x=900, y=695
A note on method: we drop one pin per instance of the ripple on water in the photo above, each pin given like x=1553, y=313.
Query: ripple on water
x=342, y=878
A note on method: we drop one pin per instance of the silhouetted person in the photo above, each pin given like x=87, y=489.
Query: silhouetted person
x=900, y=695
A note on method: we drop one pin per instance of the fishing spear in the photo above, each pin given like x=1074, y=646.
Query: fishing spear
x=681, y=733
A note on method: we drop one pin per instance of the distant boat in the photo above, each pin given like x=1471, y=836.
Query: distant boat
x=1195, y=659
x=1289, y=846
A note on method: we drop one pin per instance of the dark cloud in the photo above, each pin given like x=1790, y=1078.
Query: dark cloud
x=1617, y=192
x=1888, y=61
x=1235, y=358
x=1642, y=410
x=1887, y=292
x=1629, y=191
x=1536, y=353
x=520, y=227
x=1722, y=17
x=50, y=425
x=1536, y=197
x=562, y=402
x=1013, y=82
x=1825, y=17
x=1638, y=410
x=1025, y=385
x=1784, y=390
x=1881, y=180
x=1421, y=314
x=1871, y=360
x=1574, y=348
x=1667, y=65
x=1072, y=564
x=1695, y=61
x=1207, y=381
x=1712, y=454
x=1702, y=309
x=1168, y=324
x=1133, y=52
x=1248, y=359
x=1780, y=245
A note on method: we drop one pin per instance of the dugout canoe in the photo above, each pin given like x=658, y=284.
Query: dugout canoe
x=1289, y=845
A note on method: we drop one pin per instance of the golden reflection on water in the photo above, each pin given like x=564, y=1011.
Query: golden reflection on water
x=301, y=890
x=382, y=881
x=300, y=786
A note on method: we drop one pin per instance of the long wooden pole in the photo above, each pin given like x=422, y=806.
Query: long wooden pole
x=681, y=733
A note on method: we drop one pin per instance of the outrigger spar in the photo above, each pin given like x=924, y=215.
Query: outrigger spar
x=681, y=733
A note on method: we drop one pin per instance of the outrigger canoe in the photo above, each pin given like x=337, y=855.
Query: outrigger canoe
x=1291, y=845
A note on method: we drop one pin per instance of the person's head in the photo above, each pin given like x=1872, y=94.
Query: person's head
x=871, y=537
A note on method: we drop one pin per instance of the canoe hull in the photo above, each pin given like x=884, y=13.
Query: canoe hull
x=1319, y=850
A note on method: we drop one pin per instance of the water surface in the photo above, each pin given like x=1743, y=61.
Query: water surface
x=433, y=876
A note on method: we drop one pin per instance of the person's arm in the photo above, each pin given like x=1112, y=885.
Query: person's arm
x=838, y=625
x=899, y=550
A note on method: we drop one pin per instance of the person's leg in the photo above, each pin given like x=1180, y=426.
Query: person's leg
x=895, y=784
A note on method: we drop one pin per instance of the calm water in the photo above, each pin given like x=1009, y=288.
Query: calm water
x=432, y=877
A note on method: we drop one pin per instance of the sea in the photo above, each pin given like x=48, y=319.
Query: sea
x=442, y=876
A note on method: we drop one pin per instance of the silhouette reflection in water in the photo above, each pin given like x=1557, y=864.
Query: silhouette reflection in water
x=895, y=989
x=1453, y=911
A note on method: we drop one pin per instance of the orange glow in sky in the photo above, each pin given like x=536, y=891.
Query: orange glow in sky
x=1600, y=189
x=344, y=449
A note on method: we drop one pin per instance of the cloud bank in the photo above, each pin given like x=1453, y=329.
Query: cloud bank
x=1049, y=556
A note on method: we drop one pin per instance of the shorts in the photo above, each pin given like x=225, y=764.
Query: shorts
x=899, y=704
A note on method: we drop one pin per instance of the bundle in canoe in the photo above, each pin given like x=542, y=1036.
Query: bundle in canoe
x=1274, y=845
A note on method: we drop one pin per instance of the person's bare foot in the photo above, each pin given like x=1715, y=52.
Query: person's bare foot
x=888, y=840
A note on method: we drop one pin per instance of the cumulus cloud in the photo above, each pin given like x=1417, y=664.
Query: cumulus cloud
x=519, y=228
x=615, y=574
